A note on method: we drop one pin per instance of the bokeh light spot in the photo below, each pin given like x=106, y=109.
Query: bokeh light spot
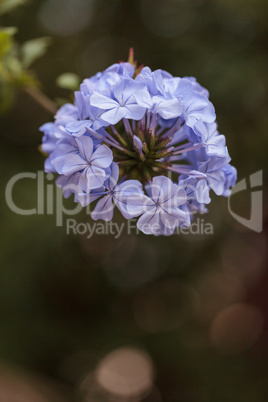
x=126, y=372
x=236, y=328
x=217, y=290
x=66, y=17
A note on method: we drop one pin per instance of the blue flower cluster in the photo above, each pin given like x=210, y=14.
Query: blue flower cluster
x=143, y=141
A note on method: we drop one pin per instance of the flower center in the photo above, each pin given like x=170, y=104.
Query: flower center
x=143, y=159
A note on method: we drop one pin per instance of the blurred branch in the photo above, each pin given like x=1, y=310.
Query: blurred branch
x=14, y=63
x=42, y=99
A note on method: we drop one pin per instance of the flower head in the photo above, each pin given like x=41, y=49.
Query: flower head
x=133, y=130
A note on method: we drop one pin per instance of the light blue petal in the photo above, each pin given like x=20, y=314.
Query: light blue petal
x=91, y=178
x=114, y=175
x=202, y=192
x=138, y=204
x=87, y=198
x=72, y=163
x=113, y=116
x=69, y=184
x=143, y=98
x=102, y=157
x=122, y=193
x=95, y=177
x=173, y=217
x=176, y=197
x=129, y=187
x=125, y=89
x=134, y=112
x=167, y=108
x=161, y=186
x=102, y=101
x=149, y=223
x=216, y=181
x=104, y=209
x=78, y=127
x=85, y=147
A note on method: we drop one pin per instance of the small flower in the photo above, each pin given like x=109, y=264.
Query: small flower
x=133, y=130
x=81, y=156
x=230, y=179
x=197, y=87
x=117, y=194
x=69, y=184
x=215, y=179
x=160, y=212
x=127, y=99
x=192, y=205
x=49, y=139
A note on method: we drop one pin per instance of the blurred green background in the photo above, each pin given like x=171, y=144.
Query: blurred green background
x=178, y=319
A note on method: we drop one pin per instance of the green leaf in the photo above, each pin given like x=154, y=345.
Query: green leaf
x=6, y=40
x=68, y=81
x=33, y=49
x=13, y=65
x=9, y=30
x=7, y=96
x=8, y=5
